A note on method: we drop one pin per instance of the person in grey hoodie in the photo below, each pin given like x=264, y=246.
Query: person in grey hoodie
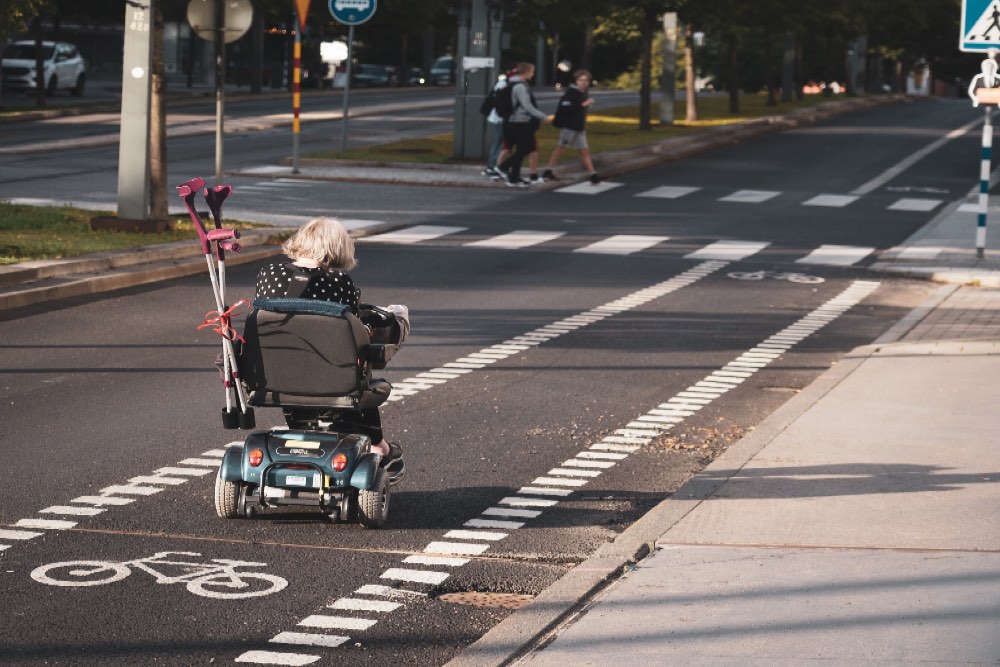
x=520, y=128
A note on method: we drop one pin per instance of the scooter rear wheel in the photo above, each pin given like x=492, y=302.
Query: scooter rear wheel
x=227, y=498
x=373, y=504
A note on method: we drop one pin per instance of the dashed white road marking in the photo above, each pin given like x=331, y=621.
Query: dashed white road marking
x=415, y=576
x=622, y=244
x=588, y=188
x=357, y=604
x=18, y=535
x=414, y=234
x=750, y=196
x=730, y=251
x=836, y=255
x=337, y=622
x=914, y=204
x=70, y=509
x=668, y=192
x=45, y=524
x=516, y=240
x=309, y=639
x=275, y=658
x=831, y=201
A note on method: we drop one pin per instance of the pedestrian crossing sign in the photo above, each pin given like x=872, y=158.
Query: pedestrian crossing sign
x=980, y=26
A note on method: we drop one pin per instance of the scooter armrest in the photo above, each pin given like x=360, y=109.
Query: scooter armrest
x=379, y=355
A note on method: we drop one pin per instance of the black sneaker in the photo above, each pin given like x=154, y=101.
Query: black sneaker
x=502, y=173
x=519, y=183
x=547, y=175
x=594, y=178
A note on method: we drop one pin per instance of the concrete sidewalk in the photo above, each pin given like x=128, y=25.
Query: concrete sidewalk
x=859, y=523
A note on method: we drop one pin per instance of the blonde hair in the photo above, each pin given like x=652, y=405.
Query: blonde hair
x=322, y=240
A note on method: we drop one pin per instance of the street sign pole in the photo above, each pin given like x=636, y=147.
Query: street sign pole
x=301, y=13
x=345, y=111
x=350, y=13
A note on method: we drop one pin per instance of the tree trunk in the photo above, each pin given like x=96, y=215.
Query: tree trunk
x=646, y=75
x=691, y=94
x=734, y=76
x=586, y=58
x=158, y=121
x=40, y=82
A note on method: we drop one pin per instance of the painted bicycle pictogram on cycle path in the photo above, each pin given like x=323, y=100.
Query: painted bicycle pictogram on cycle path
x=802, y=278
x=215, y=579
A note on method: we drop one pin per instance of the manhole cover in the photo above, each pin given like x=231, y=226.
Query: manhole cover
x=502, y=600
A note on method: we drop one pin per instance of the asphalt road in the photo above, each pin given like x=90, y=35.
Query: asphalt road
x=622, y=299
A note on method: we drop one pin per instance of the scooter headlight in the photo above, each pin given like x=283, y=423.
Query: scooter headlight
x=256, y=456
x=340, y=462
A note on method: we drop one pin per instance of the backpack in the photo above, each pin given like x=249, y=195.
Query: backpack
x=503, y=104
x=489, y=103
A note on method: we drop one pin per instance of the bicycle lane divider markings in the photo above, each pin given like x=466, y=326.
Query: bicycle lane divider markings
x=208, y=462
x=608, y=452
x=478, y=360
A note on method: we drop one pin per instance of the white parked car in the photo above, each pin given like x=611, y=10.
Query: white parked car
x=64, y=67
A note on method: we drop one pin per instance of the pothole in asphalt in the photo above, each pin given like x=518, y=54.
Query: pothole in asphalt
x=478, y=599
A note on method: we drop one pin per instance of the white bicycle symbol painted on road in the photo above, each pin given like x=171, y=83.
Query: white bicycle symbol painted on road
x=216, y=579
x=774, y=275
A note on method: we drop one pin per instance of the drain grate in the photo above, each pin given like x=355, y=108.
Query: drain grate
x=501, y=600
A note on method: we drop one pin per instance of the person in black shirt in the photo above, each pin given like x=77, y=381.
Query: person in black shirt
x=321, y=253
x=571, y=119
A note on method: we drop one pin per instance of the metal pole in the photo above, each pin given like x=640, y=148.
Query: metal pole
x=220, y=82
x=347, y=90
x=984, y=182
x=296, y=94
x=667, y=83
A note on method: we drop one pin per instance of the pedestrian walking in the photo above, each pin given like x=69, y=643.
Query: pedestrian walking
x=520, y=128
x=495, y=124
x=571, y=119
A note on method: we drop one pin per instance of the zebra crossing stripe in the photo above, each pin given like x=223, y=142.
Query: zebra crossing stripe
x=831, y=201
x=309, y=639
x=588, y=188
x=750, y=196
x=516, y=240
x=836, y=255
x=622, y=244
x=275, y=658
x=668, y=192
x=730, y=251
x=915, y=204
x=414, y=234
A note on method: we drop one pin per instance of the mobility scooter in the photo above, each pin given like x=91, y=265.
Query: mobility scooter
x=313, y=360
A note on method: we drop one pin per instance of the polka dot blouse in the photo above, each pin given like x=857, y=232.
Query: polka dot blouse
x=286, y=280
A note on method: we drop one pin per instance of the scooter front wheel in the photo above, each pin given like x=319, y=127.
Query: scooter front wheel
x=227, y=498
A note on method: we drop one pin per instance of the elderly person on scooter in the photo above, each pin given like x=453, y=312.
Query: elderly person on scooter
x=321, y=253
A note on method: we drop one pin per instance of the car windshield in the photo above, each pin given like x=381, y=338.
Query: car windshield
x=26, y=52
x=442, y=63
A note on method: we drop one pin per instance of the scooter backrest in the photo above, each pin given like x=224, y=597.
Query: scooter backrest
x=304, y=351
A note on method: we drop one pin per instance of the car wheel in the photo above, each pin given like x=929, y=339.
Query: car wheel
x=81, y=80
x=52, y=85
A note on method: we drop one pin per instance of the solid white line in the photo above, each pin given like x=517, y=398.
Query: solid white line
x=912, y=159
x=337, y=622
x=275, y=658
x=355, y=604
x=416, y=576
x=309, y=639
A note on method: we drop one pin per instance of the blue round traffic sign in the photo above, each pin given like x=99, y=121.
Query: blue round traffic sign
x=352, y=12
